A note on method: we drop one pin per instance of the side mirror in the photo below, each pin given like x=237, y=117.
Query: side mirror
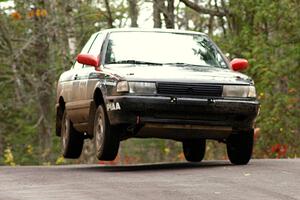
x=239, y=64
x=88, y=59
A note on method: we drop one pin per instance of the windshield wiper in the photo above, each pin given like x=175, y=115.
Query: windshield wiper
x=137, y=62
x=186, y=64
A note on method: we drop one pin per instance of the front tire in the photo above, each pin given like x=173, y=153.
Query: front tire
x=239, y=148
x=106, y=138
x=72, y=140
x=194, y=150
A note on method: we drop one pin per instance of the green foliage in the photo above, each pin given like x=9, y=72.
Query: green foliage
x=267, y=33
x=34, y=51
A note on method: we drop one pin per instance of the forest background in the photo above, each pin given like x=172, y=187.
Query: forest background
x=39, y=39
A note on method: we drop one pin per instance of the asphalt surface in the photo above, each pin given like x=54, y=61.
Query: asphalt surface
x=260, y=179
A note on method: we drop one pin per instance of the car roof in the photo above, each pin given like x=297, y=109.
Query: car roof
x=151, y=30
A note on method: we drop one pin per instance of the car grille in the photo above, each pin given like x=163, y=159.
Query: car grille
x=209, y=90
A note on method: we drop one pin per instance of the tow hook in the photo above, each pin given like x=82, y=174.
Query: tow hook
x=211, y=101
x=173, y=100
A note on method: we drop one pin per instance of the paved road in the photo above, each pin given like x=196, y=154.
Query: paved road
x=261, y=179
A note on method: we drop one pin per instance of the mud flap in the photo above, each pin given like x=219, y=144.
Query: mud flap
x=92, y=112
x=59, y=116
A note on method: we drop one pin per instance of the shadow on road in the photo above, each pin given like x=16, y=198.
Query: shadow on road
x=154, y=167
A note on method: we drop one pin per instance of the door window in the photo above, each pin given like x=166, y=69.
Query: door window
x=85, y=49
x=97, y=46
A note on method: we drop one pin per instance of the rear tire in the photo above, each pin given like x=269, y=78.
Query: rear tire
x=239, y=148
x=194, y=150
x=72, y=140
x=106, y=137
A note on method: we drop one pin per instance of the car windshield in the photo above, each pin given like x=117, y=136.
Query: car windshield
x=162, y=48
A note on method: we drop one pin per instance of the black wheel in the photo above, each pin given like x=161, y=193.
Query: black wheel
x=194, y=150
x=106, y=138
x=72, y=140
x=239, y=148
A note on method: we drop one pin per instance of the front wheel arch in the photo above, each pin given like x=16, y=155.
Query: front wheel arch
x=97, y=100
x=98, y=97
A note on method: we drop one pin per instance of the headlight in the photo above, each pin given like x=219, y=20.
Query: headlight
x=122, y=86
x=252, y=92
x=238, y=91
x=142, y=87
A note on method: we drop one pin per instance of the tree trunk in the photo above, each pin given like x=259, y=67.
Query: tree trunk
x=133, y=12
x=210, y=22
x=211, y=25
x=16, y=76
x=220, y=18
x=109, y=15
x=44, y=83
x=169, y=14
x=70, y=29
x=156, y=13
x=1, y=141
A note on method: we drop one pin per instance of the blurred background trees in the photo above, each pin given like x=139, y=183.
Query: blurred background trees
x=39, y=39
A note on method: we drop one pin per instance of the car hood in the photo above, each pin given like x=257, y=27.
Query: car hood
x=170, y=73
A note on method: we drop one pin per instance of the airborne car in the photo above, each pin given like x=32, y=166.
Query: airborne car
x=155, y=83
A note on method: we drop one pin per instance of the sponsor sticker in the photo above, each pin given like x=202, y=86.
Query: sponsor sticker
x=113, y=106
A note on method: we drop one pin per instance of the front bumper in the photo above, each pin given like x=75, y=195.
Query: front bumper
x=239, y=114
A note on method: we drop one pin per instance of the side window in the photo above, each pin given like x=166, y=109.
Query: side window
x=85, y=49
x=97, y=44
